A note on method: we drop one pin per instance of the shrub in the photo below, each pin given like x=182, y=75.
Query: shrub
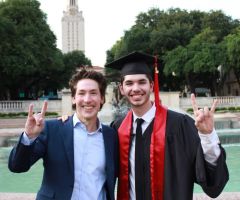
x=23, y=114
x=220, y=109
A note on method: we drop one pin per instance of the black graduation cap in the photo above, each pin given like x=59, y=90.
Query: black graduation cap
x=133, y=63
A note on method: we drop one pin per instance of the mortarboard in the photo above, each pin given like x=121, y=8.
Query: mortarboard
x=133, y=63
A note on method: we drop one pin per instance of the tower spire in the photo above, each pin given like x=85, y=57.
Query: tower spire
x=73, y=3
x=72, y=6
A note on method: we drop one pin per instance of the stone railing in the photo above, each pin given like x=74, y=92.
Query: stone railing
x=22, y=106
x=8, y=106
x=223, y=101
x=228, y=101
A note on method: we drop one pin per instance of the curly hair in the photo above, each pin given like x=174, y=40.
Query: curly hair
x=86, y=73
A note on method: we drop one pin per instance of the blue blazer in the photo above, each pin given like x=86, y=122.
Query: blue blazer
x=55, y=146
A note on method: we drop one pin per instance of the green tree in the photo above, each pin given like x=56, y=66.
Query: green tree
x=28, y=57
x=232, y=46
x=198, y=62
x=188, y=43
x=7, y=31
x=219, y=23
x=72, y=61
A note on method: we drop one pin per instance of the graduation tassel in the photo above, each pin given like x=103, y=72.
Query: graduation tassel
x=156, y=84
x=157, y=148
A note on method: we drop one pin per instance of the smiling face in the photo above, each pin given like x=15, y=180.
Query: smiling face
x=87, y=99
x=137, y=89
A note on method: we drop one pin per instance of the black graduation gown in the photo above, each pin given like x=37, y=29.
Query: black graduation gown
x=184, y=160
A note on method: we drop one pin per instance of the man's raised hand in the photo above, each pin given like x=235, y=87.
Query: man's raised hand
x=204, y=118
x=35, y=122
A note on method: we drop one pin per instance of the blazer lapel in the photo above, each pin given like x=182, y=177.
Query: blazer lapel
x=107, y=144
x=67, y=136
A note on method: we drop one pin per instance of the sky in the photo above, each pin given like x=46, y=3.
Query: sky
x=107, y=20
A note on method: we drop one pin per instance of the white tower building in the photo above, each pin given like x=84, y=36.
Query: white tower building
x=72, y=28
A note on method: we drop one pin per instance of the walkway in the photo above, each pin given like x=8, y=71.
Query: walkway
x=223, y=196
x=11, y=127
x=17, y=196
x=24, y=196
x=12, y=123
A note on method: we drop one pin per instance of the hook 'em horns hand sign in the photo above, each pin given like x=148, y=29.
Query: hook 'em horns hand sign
x=35, y=122
x=204, y=118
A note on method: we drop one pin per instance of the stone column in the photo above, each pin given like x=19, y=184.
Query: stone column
x=66, y=102
x=106, y=114
x=169, y=99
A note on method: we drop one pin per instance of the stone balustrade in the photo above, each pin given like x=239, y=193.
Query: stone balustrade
x=22, y=106
x=223, y=101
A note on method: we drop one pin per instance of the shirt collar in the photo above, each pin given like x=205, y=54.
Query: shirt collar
x=76, y=121
x=148, y=116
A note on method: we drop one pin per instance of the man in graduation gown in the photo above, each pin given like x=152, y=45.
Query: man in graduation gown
x=170, y=151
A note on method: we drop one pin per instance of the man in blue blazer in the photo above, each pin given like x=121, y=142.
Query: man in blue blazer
x=80, y=154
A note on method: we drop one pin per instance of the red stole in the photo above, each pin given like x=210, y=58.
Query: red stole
x=157, y=155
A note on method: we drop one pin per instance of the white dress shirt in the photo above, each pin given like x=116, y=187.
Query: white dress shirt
x=89, y=163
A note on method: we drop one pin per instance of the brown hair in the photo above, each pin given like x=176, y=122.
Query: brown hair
x=149, y=77
x=85, y=73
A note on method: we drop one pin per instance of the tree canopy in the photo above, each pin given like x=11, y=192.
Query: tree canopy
x=232, y=47
x=190, y=44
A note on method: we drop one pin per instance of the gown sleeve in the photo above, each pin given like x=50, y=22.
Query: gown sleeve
x=212, y=178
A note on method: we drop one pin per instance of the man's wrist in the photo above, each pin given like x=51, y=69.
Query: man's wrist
x=26, y=140
x=30, y=137
x=209, y=138
x=210, y=144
